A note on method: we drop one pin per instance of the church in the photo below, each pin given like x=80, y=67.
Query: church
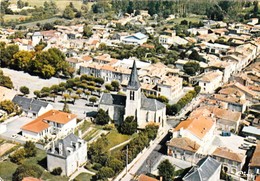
x=134, y=103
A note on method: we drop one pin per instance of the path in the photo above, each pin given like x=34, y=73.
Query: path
x=121, y=144
x=79, y=171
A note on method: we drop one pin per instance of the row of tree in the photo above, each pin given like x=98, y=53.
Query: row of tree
x=172, y=109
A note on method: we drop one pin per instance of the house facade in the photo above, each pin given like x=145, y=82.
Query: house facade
x=231, y=162
x=210, y=81
x=68, y=153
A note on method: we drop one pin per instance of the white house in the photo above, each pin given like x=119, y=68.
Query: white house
x=210, y=81
x=50, y=123
x=68, y=153
x=32, y=107
x=135, y=39
x=36, y=38
x=192, y=136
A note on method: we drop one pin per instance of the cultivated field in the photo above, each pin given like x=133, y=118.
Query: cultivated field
x=5, y=147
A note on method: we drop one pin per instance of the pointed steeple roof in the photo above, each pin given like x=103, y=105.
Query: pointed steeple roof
x=134, y=81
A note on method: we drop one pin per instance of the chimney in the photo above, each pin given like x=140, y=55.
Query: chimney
x=161, y=179
x=69, y=116
x=60, y=149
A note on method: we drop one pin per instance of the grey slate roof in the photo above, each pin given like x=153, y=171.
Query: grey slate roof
x=113, y=99
x=29, y=105
x=205, y=168
x=66, y=143
x=151, y=104
x=134, y=83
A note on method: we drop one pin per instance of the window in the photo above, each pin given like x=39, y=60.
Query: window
x=132, y=95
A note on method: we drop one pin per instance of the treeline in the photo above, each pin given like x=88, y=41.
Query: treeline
x=172, y=109
x=215, y=10
x=42, y=63
x=109, y=165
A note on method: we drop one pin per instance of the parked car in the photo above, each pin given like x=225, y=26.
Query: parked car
x=225, y=133
x=244, y=146
x=251, y=139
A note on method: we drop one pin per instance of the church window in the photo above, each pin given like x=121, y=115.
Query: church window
x=132, y=95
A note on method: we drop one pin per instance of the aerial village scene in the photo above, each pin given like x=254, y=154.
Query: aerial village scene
x=129, y=90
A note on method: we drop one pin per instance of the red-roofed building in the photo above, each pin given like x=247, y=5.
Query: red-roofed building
x=50, y=123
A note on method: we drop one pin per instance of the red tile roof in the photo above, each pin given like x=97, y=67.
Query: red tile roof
x=39, y=123
x=143, y=177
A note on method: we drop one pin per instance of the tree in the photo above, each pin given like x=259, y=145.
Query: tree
x=27, y=170
x=102, y=117
x=70, y=90
x=109, y=87
x=66, y=97
x=191, y=68
x=129, y=126
x=116, y=165
x=25, y=90
x=5, y=80
x=93, y=99
x=195, y=56
x=21, y=60
x=8, y=106
x=151, y=131
x=18, y=156
x=163, y=99
x=87, y=31
x=37, y=93
x=30, y=149
x=255, y=10
x=197, y=89
x=47, y=71
x=105, y=172
x=66, y=108
x=74, y=97
x=68, y=13
x=115, y=84
x=79, y=92
x=166, y=170
x=99, y=80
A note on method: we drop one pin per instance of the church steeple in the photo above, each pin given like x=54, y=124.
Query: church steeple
x=134, y=83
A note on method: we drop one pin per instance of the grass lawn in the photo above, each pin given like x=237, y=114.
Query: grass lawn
x=84, y=177
x=192, y=19
x=7, y=169
x=114, y=138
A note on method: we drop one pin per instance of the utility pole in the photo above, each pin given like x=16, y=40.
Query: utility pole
x=126, y=157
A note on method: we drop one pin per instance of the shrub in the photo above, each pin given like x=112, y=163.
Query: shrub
x=57, y=171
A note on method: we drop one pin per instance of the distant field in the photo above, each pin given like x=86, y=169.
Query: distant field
x=60, y=3
x=14, y=17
